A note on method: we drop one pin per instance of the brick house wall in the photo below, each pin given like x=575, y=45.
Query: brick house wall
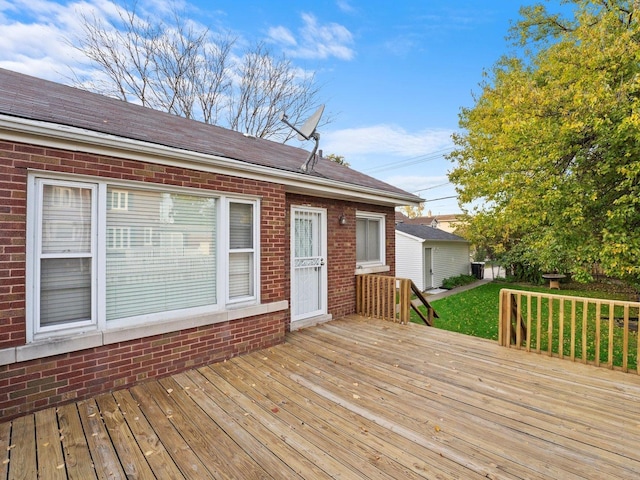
x=45, y=382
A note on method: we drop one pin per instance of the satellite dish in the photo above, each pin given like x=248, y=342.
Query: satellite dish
x=307, y=132
x=309, y=127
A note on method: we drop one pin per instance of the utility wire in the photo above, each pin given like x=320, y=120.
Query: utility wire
x=411, y=161
x=431, y=188
x=441, y=198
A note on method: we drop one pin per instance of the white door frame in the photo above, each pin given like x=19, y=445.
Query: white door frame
x=313, y=301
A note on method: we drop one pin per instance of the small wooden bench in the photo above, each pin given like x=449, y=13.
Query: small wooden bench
x=554, y=279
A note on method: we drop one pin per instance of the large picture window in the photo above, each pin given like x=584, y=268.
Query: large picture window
x=108, y=255
x=163, y=254
x=370, y=239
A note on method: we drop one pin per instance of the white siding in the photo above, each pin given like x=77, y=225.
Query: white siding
x=450, y=259
x=409, y=258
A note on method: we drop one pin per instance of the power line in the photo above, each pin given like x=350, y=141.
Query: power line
x=441, y=198
x=431, y=188
x=411, y=161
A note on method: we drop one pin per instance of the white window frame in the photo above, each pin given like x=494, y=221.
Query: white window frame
x=382, y=240
x=35, y=189
x=98, y=323
x=255, y=273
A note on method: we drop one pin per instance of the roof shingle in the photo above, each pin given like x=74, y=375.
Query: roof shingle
x=428, y=233
x=42, y=100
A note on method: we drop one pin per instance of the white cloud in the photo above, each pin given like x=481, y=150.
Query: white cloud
x=36, y=41
x=345, y=6
x=314, y=40
x=389, y=140
x=282, y=36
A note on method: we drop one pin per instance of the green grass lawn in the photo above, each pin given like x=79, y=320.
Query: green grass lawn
x=475, y=312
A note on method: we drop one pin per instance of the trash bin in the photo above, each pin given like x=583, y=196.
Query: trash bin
x=477, y=270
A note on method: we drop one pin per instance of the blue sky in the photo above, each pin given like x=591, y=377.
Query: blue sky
x=394, y=74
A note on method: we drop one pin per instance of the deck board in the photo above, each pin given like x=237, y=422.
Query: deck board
x=77, y=457
x=354, y=398
x=48, y=445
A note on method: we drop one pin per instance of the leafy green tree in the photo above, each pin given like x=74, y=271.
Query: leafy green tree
x=551, y=148
x=339, y=159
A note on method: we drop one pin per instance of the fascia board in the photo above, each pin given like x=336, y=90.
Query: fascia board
x=409, y=236
x=88, y=141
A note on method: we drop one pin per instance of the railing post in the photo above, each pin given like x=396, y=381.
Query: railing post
x=405, y=298
x=500, y=321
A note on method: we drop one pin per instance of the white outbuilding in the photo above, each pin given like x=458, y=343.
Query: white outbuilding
x=428, y=255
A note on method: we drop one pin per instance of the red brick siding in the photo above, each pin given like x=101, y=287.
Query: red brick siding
x=46, y=382
x=341, y=248
x=31, y=385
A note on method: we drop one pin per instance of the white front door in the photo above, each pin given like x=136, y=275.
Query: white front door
x=428, y=269
x=308, y=262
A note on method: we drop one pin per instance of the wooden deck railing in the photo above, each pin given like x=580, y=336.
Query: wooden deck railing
x=589, y=330
x=389, y=298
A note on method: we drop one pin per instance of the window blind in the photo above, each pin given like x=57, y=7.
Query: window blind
x=241, y=250
x=161, y=252
x=65, y=257
x=367, y=240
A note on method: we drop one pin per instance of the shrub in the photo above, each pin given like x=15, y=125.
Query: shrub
x=458, y=281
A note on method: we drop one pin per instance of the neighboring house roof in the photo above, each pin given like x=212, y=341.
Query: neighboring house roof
x=425, y=232
x=401, y=217
x=428, y=220
x=80, y=115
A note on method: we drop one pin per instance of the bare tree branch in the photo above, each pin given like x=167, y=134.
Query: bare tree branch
x=177, y=66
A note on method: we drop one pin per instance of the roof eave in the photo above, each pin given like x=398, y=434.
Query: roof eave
x=52, y=135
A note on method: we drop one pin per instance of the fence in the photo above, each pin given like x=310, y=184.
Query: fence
x=595, y=331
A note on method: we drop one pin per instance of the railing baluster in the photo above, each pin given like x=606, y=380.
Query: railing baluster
x=625, y=340
x=550, y=328
x=573, y=329
x=597, y=333
x=528, y=322
x=585, y=321
x=561, y=330
x=638, y=342
x=612, y=321
x=539, y=326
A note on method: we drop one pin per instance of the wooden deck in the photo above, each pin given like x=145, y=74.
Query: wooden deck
x=353, y=398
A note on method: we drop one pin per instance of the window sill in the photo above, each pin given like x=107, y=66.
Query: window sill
x=60, y=345
x=372, y=269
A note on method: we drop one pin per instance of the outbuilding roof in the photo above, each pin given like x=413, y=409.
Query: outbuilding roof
x=425, y=232
x=35, y=99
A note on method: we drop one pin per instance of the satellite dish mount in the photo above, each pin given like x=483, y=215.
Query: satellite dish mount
x=307, y=132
